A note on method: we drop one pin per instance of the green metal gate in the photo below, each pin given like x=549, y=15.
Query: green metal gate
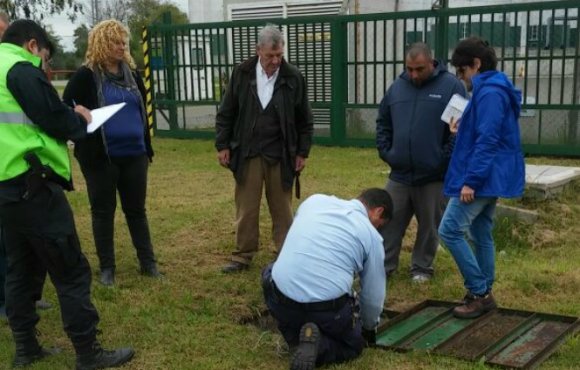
x=349, y=62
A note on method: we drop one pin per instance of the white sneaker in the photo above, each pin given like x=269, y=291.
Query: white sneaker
x=420, y=279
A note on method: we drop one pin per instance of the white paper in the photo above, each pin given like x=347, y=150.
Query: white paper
x=102, y=115
x=454, y=108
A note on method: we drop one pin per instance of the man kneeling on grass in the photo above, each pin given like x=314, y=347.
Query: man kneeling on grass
x=307, y=289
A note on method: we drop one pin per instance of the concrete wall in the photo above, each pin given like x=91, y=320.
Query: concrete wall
x=203, y=11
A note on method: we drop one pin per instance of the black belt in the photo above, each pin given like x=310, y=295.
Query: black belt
x=332, y=305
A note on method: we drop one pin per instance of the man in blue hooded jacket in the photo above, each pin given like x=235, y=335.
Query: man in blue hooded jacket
x=487, y=163
x=416, y=144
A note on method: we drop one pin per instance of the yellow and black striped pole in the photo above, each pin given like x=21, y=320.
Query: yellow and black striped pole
x=149, y=94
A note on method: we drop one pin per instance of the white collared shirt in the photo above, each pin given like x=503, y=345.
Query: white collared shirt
x=265, y=84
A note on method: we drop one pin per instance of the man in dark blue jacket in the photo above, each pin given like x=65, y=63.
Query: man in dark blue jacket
x=416, y=144
x=487, y=163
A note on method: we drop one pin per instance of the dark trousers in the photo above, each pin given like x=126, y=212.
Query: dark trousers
x=40, y=236
x=426, y=203
x=41, y=276
x=341, y=339
x=2, y=269
x=128, y=176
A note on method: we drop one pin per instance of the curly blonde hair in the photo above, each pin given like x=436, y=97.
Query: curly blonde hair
x=101, y=39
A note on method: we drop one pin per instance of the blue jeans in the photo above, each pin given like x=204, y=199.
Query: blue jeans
x=477, y=264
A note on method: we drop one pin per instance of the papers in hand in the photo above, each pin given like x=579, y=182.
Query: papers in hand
x=102, y=115
x=454, y=108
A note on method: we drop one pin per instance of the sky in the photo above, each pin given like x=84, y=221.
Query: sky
x=64, y=28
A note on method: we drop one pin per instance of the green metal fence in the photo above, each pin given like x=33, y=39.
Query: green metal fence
x=349, y=62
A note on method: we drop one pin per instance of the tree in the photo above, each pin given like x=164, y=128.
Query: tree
x=81, y=41
x=39, y=9
x=58, y=50
x=108, y=9
x=60, y=58
x=135, y=13
x=147, y=12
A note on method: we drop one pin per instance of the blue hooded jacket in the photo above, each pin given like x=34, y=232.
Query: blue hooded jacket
x=411, y=137
x=487, y=155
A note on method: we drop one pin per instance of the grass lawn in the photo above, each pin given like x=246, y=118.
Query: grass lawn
x=190, y=319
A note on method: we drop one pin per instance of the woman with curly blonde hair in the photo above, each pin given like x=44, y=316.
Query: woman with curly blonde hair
x=115, y=158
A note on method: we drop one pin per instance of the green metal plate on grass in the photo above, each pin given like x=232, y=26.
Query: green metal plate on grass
x=402, y=329
x=439, y=332
x=529, y=345
x=471, y=344
x=507, y=338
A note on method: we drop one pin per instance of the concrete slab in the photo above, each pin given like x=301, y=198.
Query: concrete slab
x=543, y=181
x=544, y=177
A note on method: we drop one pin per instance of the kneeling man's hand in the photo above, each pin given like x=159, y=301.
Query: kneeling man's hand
x=370, y=337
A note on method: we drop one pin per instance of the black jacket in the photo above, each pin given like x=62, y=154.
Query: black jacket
x=236, y=118
x=82, y=90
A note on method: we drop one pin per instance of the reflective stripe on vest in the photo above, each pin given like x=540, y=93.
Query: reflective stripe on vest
x=19, y=117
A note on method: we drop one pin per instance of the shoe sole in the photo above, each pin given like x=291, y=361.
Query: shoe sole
x=305, y=356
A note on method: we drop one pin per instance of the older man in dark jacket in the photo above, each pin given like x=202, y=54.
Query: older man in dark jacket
x=263, y=135
x=416, y=144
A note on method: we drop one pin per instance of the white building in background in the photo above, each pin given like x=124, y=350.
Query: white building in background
x=204, y=11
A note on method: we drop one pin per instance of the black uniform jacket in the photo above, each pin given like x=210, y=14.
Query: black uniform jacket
x=41, y=103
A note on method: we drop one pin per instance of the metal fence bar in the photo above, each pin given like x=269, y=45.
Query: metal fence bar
x=563, y=56
x=347, y=72
x=539, y=56
x=375, y=60
x=550, y=74
x=575, y=84
x=527, y=58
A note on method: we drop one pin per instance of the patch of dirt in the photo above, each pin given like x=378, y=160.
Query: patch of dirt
x=471, y=344
x=262, y=320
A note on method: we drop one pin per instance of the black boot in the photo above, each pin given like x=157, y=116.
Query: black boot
x=98, y=358
x=28, y=350
x=306, y=353
x=107, y=277
x=151, y=271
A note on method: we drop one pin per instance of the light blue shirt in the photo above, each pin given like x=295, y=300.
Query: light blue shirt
x=330, y=240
